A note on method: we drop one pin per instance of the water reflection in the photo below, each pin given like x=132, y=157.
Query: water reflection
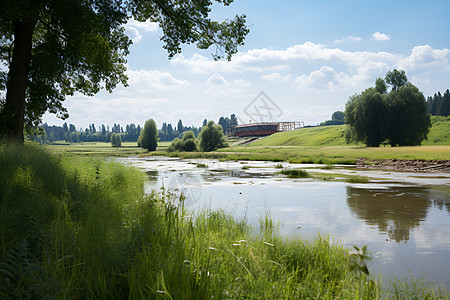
x=441, y=197
x=152, y=175
x=395, y=211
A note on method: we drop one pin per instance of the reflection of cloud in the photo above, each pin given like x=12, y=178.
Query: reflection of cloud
x=395, y=211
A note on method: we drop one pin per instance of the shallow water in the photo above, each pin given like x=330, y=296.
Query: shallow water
x=403, y=218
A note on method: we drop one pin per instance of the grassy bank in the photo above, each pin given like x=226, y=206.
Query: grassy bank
x=330, y=136
x=323, y=145
x=77, y=227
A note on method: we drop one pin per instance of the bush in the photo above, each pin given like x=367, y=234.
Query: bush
x=211, y=137
x=188, y=143
x=295, y=173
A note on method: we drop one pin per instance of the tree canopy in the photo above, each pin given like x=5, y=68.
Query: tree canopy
x=187, y=143
x=400, y=116
x=56, y=48
x=211, y=137
x=148, y=138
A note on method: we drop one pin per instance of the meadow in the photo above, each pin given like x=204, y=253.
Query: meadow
x=76, y=227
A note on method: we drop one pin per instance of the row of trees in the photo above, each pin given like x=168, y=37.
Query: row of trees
x=439, y=105
x=210, y=138
x=102, y=133
x=337, y=118
x=46, y=133
x=168, y=133
x=398, y=117
x=226, y=123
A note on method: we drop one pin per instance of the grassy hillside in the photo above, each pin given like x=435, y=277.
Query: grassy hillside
x=334, y=135
x=311, y=136
x=439, y=132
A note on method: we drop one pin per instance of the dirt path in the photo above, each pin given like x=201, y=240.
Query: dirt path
x=405, y=165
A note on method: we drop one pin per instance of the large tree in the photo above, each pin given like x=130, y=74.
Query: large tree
x=148, y=139
x=408, y=120
x=55, y=48
x=400, y=116
x=365, y=113
x=211, y=137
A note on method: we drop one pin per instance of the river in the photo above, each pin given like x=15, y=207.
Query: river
x=403, y=218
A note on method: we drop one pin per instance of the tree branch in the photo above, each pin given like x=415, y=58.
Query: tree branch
x=56, y=32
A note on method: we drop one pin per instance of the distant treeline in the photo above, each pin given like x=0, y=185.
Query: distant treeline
x=439, y=105
x=69, y=133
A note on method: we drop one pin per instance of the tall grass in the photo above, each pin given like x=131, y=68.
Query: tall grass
x=295, y=173
x=75, y=227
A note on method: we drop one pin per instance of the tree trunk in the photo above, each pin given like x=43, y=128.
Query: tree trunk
x=14, y=109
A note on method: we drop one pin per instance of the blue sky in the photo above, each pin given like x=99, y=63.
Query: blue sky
x=308, y=57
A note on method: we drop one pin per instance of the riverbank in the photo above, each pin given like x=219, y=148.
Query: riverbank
x=406, y=165
x=78, y=227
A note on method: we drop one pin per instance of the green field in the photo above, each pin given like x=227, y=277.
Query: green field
x=439, y=132
x=334, y=135
x=99, y=148
x=324, y=144
x=311, y=136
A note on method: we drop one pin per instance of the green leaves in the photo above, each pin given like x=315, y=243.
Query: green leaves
x=399, y=117
x=80, y=46
x=211, y=137
x=359, y=259
x=148, y=138
x=187, y=22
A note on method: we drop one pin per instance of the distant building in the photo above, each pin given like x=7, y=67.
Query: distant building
x=264, y=128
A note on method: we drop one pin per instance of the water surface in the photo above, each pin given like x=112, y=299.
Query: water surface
x=403, y=218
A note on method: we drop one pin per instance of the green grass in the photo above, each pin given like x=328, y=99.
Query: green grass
x=439, y=132
x=101, y=149
x=330, y=136
x=311, y=136
x=318, y=145
x=295, y=173
x=333, y=155
x=357, y=179
x=76, y=227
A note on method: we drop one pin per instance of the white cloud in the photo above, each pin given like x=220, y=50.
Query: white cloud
x=325, y=78
x=424, y=57
x=268, y=60
x=216, y=79
x=349, y=38
x=313, y=114
x=134, y=28
x=276, y=77
x=378, y=36
x=145, y=80
x=84, y=110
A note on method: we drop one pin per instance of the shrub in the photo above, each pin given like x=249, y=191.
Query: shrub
x=295, y=173
x=211, y=137
x=188, y=143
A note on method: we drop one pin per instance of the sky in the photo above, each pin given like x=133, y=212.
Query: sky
x=301, y=62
